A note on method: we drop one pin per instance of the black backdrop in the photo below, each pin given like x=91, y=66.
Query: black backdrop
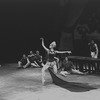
x=23, y=22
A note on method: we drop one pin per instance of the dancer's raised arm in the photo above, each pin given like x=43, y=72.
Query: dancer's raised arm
x=44, y=45
x=62, y=51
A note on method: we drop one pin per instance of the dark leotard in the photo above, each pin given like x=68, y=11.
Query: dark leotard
x=51, y=55
x=24, y=61
x=38, y=59
x=32, y=58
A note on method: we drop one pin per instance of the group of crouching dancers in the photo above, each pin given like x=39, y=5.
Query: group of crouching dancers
x=32, y=60
x=64, y=67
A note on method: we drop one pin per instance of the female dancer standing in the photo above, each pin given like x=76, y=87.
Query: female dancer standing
x=51, y=60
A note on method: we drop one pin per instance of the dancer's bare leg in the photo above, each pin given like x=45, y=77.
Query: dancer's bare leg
x=64, y=73
x=55, y=68
x=34, y=65
x=74, y=71
x=45, y=67
x=57, y=62
x=19, y=64
x=25, y=66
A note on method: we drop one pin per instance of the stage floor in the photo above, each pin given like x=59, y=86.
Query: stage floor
x=25, y=84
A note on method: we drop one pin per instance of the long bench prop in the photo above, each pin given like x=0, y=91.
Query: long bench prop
x=84, y=64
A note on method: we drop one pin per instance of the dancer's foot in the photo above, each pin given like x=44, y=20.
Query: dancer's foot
x=63, y=73
x=86, y=73
x=43, y=81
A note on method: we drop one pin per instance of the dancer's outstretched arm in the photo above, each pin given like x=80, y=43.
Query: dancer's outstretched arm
x=62, y=51
x=44, y=45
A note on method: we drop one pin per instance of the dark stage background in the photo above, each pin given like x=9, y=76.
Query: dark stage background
x=23, y=22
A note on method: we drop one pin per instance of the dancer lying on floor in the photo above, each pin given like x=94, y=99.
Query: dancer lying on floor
x=69, y=68
x=51, y=60
x=24, y=62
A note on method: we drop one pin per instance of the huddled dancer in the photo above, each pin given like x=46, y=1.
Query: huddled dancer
x=51, y=58
x=38, y=59
x=24, y=62
x=32, y=60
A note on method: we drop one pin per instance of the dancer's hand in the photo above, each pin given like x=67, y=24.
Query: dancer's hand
x=41, y=39
x=88, y=43
x=69, y=52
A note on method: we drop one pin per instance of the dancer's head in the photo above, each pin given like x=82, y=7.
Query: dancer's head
x=52, y=45
x=37, y=52
x=66, y=58
x=31, y=52
x=24, y=56
x=92, y=41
